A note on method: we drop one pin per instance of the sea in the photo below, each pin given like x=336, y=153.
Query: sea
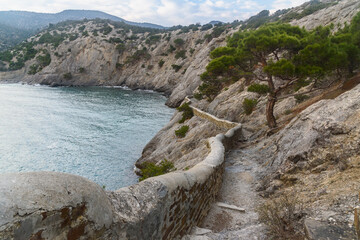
x=94, y=132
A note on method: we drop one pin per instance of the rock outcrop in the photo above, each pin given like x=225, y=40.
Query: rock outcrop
x=338, y=13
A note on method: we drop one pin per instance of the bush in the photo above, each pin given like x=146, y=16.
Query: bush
x=249, y=105
x=181, y=132
x=33, y=69
x=153, y=39
x=176, y=67
x=282, y=217
x=139, y=54
x=119, y=65
x=180, y=54
x=259, y=88
x=81, y=70
x=187, y=112
x=161, y=63
x=120, y=47
x=152, y=170
x=206, y=27
x=171, y=49
x=179, y=42
x=198, y=96
x=67, y=76
x=44, y=60
x=300, y=98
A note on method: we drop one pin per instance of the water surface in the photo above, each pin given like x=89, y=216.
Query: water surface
x=94, y=132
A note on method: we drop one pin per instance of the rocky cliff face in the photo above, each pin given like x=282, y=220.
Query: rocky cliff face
x=337, y=13
x=129, y=59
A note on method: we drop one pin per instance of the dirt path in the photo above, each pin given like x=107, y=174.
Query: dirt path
x=238, y=189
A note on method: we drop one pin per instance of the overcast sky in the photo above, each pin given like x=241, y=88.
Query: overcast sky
x=163, y=12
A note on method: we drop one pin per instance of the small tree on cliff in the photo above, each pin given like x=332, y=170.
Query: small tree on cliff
x=280, y=55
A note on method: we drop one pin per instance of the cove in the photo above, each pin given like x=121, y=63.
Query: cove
x=94, y=132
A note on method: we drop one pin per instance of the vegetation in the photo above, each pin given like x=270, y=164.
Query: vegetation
x=283, y=218
x=55, y=39
x=300, y=98
x=284, y=57
x=249, y=105
x=139, y=54
x=152, y=170
x=259, y=88
x=153, y=39
x=187, y=112
x=181, y=132
x=120, y=47
x=67, y=76
x=206, y=27
x=161, y=63
x=176, y=67
x=179, y=42
x=180, y=54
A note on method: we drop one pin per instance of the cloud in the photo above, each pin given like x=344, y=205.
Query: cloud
x=283, y=4
x=164, y=12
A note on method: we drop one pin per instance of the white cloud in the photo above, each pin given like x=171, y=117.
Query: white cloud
x=283, y=4
x=164, y=12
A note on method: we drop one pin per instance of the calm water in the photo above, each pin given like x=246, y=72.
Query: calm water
x=93, y=132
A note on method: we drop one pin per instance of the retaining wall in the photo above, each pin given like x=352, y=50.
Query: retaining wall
x=50, y=205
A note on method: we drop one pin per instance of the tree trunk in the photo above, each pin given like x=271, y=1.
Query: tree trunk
x=271, y=103
x=270, y=111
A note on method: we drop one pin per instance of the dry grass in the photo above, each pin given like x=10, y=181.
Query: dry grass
x=283, y=218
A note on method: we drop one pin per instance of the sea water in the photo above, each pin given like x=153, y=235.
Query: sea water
x=94, y=132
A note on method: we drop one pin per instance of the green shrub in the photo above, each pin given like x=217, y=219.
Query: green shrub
x=171, y=49
x=119, y=65
x=120, y=47
x=152, y=170
x=180, y=54
x=300, y=98
x=199, y=41
x=191, y=51
x=176, y=67
x=67, y=76
x=6, y=56
x=139, y=54
x=82, y=28
x=198, y=96
x=301, y=83
x=153, y=39
x=206, y=27
x=249, y=105
x=81, y=70
x=33, y=69
x=187, y=112
x=74, y=37
x=44, y=60
x=179, y=42
x=259, y=88
x=161, y=63
x=181, y=132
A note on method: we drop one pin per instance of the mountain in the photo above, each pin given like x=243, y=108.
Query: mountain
x=32, y=20
x=16, y=26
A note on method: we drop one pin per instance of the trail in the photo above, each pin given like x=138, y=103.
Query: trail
x=238, y=188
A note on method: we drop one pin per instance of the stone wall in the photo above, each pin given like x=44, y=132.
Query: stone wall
x=62, y=206
x=222, y=123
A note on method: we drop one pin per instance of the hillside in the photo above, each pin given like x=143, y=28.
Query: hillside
x=16, y=26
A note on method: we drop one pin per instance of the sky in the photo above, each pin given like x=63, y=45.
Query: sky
x=163, y=12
